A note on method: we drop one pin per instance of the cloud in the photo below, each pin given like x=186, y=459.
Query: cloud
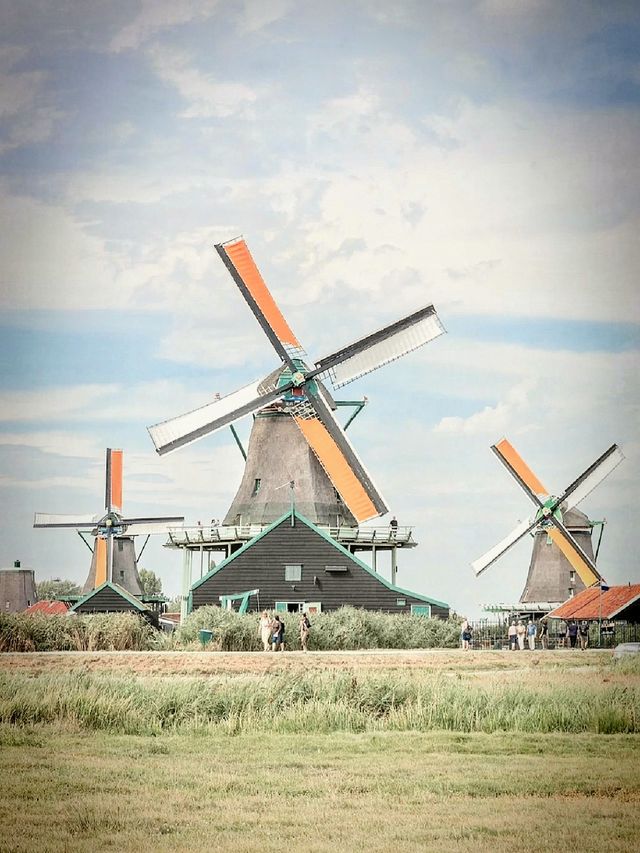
x=26, y=107
x=206, y=96
x=155, y=16
x=257, y=16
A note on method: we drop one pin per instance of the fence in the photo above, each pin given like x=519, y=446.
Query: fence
x=493, y=635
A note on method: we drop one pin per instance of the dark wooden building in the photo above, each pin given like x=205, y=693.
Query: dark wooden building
x=317, y=574
x=109, y=598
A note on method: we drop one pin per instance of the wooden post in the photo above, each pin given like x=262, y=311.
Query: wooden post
x=186, y=583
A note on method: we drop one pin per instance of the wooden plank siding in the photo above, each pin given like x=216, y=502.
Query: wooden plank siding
x=108, y=599
x=261, y=564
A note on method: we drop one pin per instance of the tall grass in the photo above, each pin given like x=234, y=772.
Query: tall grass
x=99, y=632
x=338, y=630
x=316, y=701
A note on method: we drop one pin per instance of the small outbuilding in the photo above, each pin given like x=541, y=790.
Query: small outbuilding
x=619, y=603
x=297, y=566
x=109, y=598
x=48, y=608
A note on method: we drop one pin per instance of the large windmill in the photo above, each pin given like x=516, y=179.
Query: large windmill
x=296, y=437
x=562, y=543
x=114, y=558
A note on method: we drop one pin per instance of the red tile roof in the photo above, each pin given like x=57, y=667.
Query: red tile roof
x=591, y=604
x=49, y=608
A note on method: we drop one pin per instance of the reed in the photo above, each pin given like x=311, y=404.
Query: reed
x=317, y=702
x=99, y=632
x=348, y=628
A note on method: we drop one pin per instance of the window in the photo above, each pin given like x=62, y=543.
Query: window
x=335, y=568
x=401, y=602
x=289, y=606
x=421, y=610
x=256, y=486
x=293, y=573
x=572, y=577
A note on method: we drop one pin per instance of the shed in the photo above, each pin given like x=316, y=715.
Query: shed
x=48, y=608
x=296, y=566
x=109, y=598
x=593, y=604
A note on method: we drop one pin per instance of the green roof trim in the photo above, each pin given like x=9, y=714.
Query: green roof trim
x=341, y=549
x=123, y=593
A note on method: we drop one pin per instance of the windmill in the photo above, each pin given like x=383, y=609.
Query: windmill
x=114, y=557
x=557, y=523
x=295, y=435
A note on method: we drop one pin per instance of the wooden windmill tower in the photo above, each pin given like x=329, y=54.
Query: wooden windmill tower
x=562, y=561
x=114, y=558
x=295, y=435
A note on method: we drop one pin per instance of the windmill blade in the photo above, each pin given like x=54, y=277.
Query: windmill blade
x=148, y=526
x=381, y=347
x=583, y=564
x=184, y=429
x=43, y=519
x=509, y=541
x=595, y=474
x=337, y=456
x=113, y=478
x=237, y=258
x=519, y=469
x=102, y=558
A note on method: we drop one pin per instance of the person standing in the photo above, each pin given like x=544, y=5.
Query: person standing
x=305, y=630
x=583, y=633
x=513, y=637
x=521, y=633
x=277, y=635
x=393, y=527
x=544, y=633
x=532, y=632
x=265, y=627
x=463, y=631
x=572, y=633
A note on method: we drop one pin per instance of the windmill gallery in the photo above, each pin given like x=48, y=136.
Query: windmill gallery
x=291, y=536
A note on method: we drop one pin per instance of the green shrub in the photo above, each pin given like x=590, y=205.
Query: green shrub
x=338, y=630
x=97, y=632
x=348, y=700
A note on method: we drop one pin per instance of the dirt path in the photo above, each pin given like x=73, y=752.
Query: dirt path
x=216, y=663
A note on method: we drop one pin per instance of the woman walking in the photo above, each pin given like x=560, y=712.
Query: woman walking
x=305, y=630
x=265, y=627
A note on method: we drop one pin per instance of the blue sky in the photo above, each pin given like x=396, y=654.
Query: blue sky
x=376, y=156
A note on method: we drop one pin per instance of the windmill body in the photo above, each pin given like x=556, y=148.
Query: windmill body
x=114, y=558
x=562, y=561
x=551, y=577
x=278, y=454
x=124, y=570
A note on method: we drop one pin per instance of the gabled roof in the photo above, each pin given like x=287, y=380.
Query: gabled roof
x=48, y=608
x=342, y=550
x=115, y=588
x=591, y=604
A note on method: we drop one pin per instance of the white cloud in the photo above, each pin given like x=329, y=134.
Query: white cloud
x=257, y=16
x=206, y=96
x=154, y=16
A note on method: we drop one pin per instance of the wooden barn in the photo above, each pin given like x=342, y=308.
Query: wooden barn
x=319, y=575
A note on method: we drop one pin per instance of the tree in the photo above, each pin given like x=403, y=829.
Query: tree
x=151, y=583
x=56, y=588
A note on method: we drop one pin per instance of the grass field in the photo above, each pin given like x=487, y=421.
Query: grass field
x=429, y=750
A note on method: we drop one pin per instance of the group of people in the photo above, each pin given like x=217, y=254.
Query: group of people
x=520, y=634
x=271, y=631
x=577, y=631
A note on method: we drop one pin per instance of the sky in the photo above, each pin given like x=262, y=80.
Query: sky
x=376, y=156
